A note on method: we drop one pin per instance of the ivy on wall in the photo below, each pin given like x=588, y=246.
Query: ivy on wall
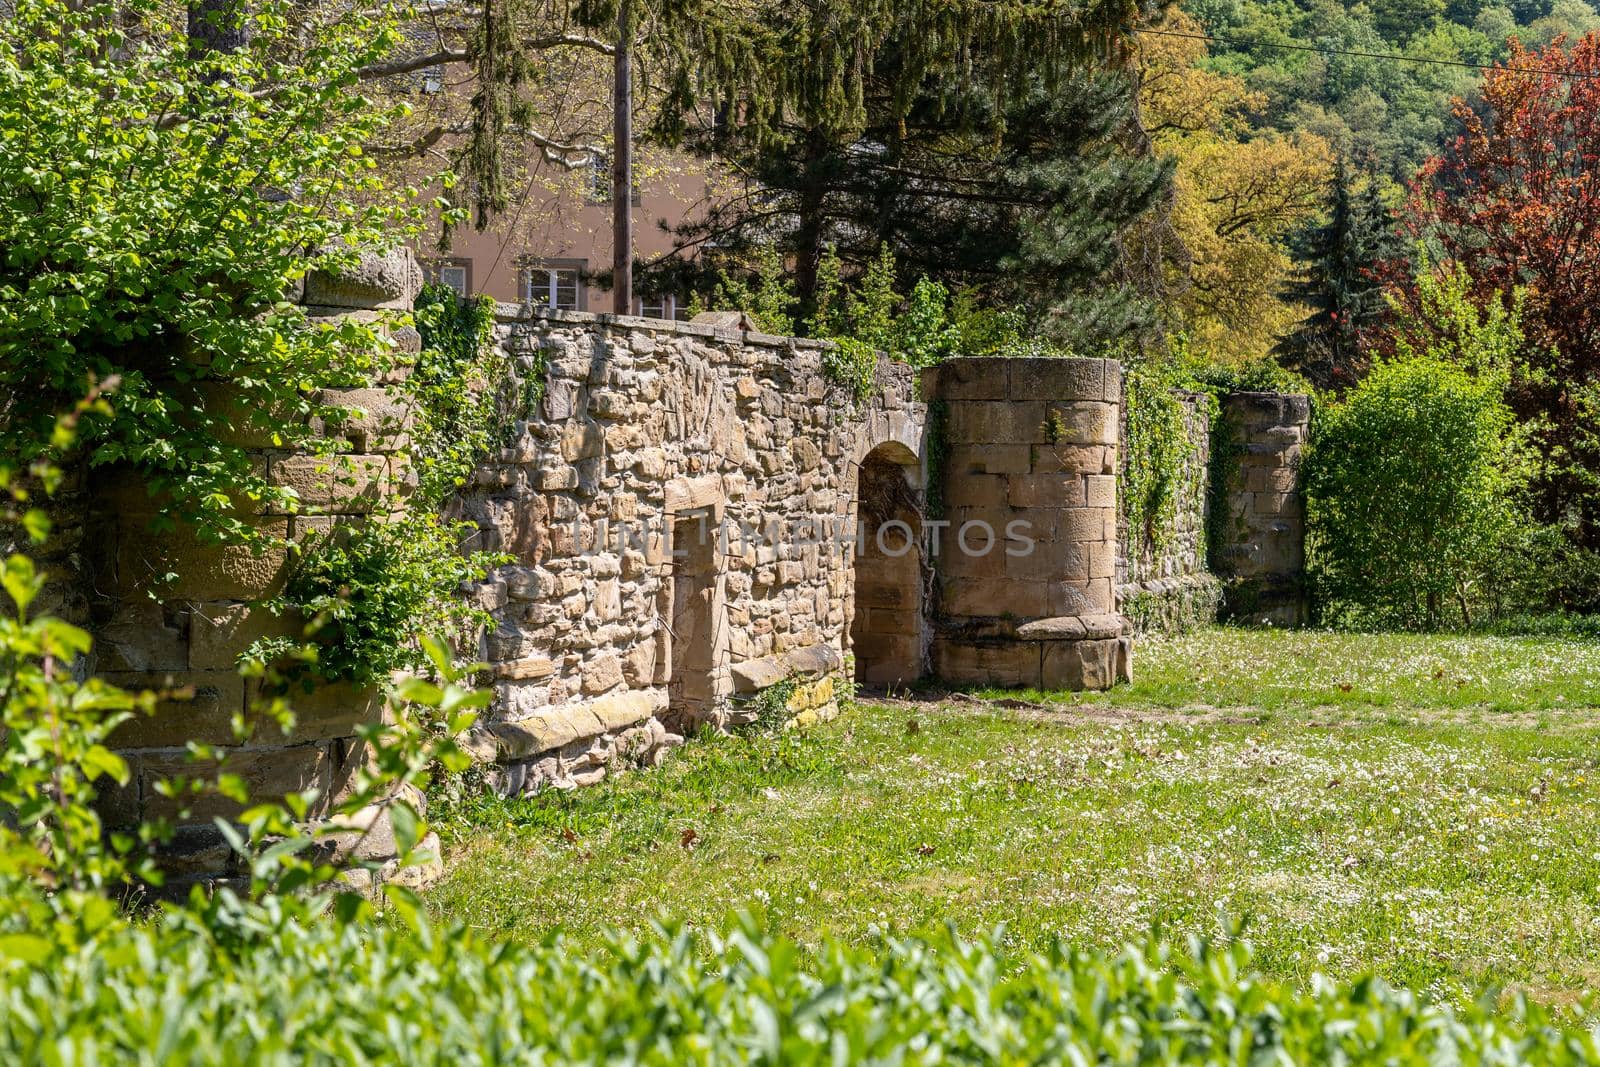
x=367, y=589
x=1156, y=462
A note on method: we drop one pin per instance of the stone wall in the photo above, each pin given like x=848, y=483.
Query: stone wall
x=704, y=528
x=681, y=504
x=1259, y=542
x=1163, y=580
x=1028, y=464
x=172, y=613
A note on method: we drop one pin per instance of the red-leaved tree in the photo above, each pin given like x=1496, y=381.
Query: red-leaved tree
x=1514, y=200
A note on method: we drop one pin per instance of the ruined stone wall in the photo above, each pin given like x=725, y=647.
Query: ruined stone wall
x=680, y=502
x=1259, y=541
x=1163, y=581
x=172, y=613
x=1028, y=463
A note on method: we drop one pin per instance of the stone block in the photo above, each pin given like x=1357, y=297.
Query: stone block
x=990, y=597
x=267, y=773
x=220, y=630
x=988, y=459
x=346, y=483
x=963, y=490
x=1077, y=459
x=1046, y=491
x=379, y=419
x=322, y=710
x=1100, y=490
x=1080, y=423
x=143, y=635
x=968, y=378
x=1014, y=664
x=1052, y=561
x=1057, y=379
x=561, y=725
x=1102, y=559
x=582, y=440
x=602, y=673
x=527, y=668
x=199, y=571
x=1079, y=665
x=376, y=280
x=1085, y=524
x=1093, y=597
x=192, y=706
x=987, y=422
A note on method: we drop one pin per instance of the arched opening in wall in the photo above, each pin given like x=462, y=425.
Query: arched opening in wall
x=886, y=629
x=691, y=688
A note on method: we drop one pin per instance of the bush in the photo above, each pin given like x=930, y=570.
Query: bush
x=271, y=990
x=1413, y=489
x=147, y=236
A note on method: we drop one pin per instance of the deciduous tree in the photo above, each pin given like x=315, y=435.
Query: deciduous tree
x=1514, y=201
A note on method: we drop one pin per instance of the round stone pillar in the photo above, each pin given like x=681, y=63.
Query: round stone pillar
x=1025, y=455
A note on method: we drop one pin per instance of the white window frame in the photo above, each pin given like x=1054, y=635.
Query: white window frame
x=448, y=269
x=543, y=282
x=665, y=303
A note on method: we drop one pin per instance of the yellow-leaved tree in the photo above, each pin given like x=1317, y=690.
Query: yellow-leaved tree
x=1238, y=194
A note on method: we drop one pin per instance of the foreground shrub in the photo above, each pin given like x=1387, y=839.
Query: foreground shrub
x=1412, y=487
x=310, y=992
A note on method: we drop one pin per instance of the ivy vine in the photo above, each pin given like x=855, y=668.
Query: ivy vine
x=854, y=365
x=1155, y=466
x=368, y=588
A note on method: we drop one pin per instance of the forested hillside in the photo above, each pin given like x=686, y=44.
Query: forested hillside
x=1387, y=115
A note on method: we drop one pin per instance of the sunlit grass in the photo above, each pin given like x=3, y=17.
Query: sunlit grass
x=1421, y=830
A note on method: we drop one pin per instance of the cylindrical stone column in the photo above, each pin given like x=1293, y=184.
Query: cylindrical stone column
x=1026, y=564
x=171, y=612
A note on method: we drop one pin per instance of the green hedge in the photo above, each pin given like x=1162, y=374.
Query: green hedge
x=290, y=992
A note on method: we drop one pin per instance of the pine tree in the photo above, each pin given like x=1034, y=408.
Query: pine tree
x=1339, y=285
x=979, y=156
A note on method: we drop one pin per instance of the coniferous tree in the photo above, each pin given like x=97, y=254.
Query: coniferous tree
x=976, y=157
x=1339, y=285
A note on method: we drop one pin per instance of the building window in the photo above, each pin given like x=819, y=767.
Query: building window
x=455, y=276
x=456, y=273
x=555, y=284
x=659, y=306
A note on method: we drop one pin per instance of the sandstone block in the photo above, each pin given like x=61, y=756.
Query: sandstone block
x=1080, y=665
x=1080, y=423
x=1046, y=491
x=376, y=280
x=345, y=483
x=1004, y=663
x=1057, y=379
x=996, y=422
x=220, y=631
x=1051, y=561
x=968, y=379
x=988, y=459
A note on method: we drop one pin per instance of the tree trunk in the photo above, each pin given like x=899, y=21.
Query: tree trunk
x=217, y=26
x=808, y=231
x=622, y=167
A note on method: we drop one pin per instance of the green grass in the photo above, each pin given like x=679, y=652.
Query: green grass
x=1437, y=822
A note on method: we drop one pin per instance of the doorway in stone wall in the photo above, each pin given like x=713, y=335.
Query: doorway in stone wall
x=691, y=690
x=887, y=627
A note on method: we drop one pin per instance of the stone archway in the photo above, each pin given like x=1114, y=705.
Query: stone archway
x=888, y=627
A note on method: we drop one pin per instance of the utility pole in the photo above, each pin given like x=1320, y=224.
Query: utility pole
x=622, y=166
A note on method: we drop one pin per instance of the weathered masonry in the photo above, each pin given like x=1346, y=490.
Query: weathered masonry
x=699, y=517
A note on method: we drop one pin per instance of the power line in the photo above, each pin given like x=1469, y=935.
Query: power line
x=1246, y=46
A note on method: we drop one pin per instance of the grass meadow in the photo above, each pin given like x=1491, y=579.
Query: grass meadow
x=1426, y=808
